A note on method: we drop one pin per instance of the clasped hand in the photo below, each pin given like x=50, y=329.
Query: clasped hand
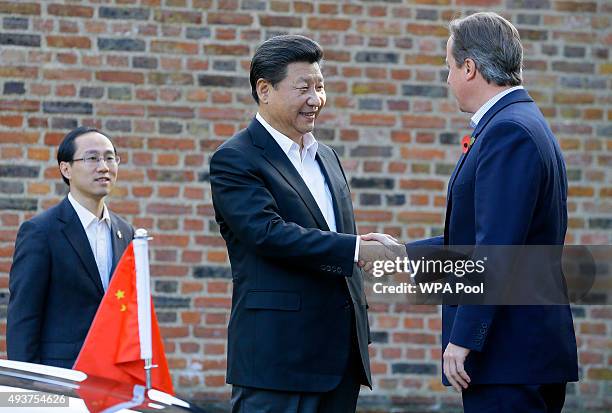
x=379, y=247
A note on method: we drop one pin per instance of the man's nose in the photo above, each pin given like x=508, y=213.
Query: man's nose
x=314, y=99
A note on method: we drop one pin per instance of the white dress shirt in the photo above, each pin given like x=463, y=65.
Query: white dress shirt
x=489, y=104
x=99, y=235
x=306, y=165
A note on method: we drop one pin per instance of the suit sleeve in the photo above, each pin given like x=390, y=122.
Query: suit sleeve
x=507, y=184
x=248, y=208
x=28, y=281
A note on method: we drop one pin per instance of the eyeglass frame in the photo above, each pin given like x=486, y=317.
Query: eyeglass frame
x=100, y=158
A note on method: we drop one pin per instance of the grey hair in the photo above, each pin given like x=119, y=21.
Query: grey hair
x=494, y=45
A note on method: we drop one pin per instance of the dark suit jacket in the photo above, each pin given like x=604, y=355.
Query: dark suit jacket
x=55, y=287
x=510, y=189
x=295, y=282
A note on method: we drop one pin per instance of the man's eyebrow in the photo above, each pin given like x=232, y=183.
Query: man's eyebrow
x=308, y=79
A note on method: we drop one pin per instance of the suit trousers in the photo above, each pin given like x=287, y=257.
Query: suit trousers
x=514, y=398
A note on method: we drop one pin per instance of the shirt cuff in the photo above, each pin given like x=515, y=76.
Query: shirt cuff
x=357, y=248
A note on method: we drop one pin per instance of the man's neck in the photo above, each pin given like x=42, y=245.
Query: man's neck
x=95, y=206
x=271, y=121
x=487, y=93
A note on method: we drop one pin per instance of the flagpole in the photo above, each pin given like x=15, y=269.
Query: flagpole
x=143, y=289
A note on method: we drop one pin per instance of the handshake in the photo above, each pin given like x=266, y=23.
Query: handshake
x=379, y=247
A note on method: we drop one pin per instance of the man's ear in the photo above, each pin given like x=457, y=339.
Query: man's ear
x=263, y=90
x=65, y=170
x=469, y=69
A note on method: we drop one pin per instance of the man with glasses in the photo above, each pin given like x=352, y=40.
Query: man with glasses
x=64, y=257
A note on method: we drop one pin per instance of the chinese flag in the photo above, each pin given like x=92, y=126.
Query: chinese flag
x=112, y=347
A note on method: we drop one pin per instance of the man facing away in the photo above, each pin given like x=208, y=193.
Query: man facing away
x=64, y=257
x=298, y=331
x=509, y=188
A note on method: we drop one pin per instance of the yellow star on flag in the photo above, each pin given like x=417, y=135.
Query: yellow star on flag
x=120, y=294
x=123, y=307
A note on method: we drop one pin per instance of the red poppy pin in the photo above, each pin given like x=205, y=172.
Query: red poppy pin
x=466, y=142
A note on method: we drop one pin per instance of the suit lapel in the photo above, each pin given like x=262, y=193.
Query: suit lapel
x=278, y=159
x=119, y=241
x=74, y=232
x=333, y=183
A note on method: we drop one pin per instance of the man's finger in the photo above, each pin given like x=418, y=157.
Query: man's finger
x=449, y=375
x=463, y=373
x=458, y=377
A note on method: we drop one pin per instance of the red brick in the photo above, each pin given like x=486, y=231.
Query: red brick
x=182, y=112
x=174, y=332
x=414, y=338
x=71, y=42
x=373, y=215
x=125, y=207
x=422, y=154
x=280, y=21
x=240, y=19
x=373, y=120
x=19, y=137
x=411, y=217
x=413, y=121
x=174, y=16
x=11, y=121
x=214, y=348
x=430, y=184
x=230, y=50
x=215, y=381
x=322, y=24
x=13, y=7
x=427, y=30
x=70, y=10
x=120, y=77
x=190, y=317
x=486, y=3
x=166, y=46
x=39, y=154
x=22, y=72
x=19, y=105
x=119, y=109
x=381, y=88
x=581, y=191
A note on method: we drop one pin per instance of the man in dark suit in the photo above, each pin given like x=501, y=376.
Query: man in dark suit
x=64, y=257
x=508, y=188
x=298, y=331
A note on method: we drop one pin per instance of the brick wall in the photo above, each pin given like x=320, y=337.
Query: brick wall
x=169, y=80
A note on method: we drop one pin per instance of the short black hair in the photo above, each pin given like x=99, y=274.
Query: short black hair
x=274, y=55
x=67, y=148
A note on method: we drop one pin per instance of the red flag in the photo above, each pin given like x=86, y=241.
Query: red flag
x=112, y=346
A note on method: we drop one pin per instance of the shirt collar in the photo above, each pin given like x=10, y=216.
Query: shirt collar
x=287, y=144
x=489, y=104
x=85, y=215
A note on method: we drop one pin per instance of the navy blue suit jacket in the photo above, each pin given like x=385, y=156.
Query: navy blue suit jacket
x=297, y=293
x=55, y=287
x=510, y=188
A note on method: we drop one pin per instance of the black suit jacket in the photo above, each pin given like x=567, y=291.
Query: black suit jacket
x=55, y=287
x=295, y=282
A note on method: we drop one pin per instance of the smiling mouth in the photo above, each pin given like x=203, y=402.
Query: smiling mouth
x=103, y=179
x=309, y=115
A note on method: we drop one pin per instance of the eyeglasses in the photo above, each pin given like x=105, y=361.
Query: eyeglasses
x=92, y=159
